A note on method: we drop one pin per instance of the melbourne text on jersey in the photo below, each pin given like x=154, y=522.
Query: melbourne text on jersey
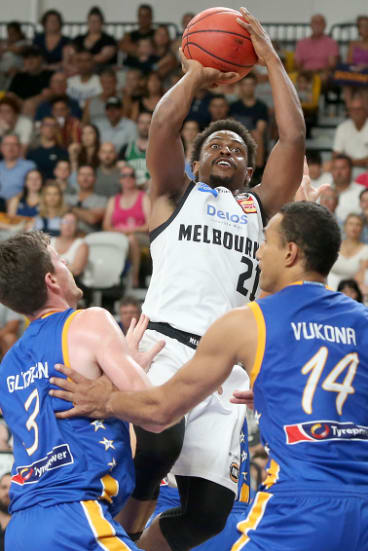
x=26, y=378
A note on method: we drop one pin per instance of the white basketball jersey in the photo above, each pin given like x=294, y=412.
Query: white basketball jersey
x=204, y=258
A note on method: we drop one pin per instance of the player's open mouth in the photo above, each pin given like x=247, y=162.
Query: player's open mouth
x=224, y=163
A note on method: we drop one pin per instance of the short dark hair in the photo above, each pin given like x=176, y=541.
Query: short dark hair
x=47, y=14
x=225, y=124
x=352, y=284
x=16, y=26
x=145, y=7
x=343, y=157
x=130, y=301
x=61, y=98
x=362, y=193
x=95, y=10
x=250, y=76
x=313, y=156
x=12, y=103
x=24, y=262
x=219, y=96
x=31, y=51
x=314, y=229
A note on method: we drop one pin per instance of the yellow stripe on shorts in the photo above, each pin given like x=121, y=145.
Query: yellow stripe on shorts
x=103, y=531
x=254, y=517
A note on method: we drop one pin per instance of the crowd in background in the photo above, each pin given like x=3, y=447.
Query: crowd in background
x=74, y=122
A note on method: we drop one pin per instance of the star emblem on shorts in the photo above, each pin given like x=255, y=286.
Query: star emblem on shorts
x=257, y=416
x=244, y=456
x=245, y=474
x=112, y=464
x=107, y=443
x=98, y=424
x=242, y=437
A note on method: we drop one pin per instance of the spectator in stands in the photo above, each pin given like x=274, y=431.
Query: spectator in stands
x=86, y=84
x=11, y=50
x=363, y=202
x=88, y=207
x=57, y=87
x=253, y=113
x=315, y=165
x=133, y=92
x=100, y=44
x=188, y=135
x=358, y=49
x=107, y=174
x=27, y=203
x=114, y=127
x=347, y=190
x=48, y=152
x=62, y=172
x=70, y=128
x=86, y=152
x=155, y=92
x=185, y=20
x=199, y=108
x=51, y=42
x=31, y=81
x=52, y=209
x=72, y=249
x=129, y=308
x=162, y=44
x=5, y=482
x=329, y=198
x=350, y=288
x=319, y=53
x=13, y=169
x=9, y=328
x=351, y=137
x=12, y=122
x=95, y=107
x=219, y=107
x=134, y=153
x=145, y=59
x=128, y=213
x=353, y=255
x=129, y=42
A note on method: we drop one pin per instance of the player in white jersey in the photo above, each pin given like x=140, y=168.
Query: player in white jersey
x=204, y=238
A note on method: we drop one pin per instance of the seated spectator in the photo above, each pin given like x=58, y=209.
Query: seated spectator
x=348, y=191
x=13, y=169
x=72, y=249
x=318, y=53
x=253, y=113
x=353, y=254
x=145, y=60
x=107, y=174
x=358, y=49
x=128, y=213
x=363, y=203
x=114, y=127
x=134, y=153
x=154, y=93
x=188, y=135
x=351, y=137
x=199, y=108
x=57, y=87
x=162, y=42
x=95, y=107
x=70, y=128
x=88, y=207
x=129, y=309
x=12, y=122
x=329, y=198
x=350, y=288
x=85, y=84
x=27, y=203
x=86, y=152
x=52, y=209
x=100, y=44
x=315, y=165
x=219, y=108
x=10, y=324
x=51, y=42
x=129, y=42
x=48, y=152
x=185, y=20
x=62, y=173
x=133, y=92
x=11, y=50
x=29, y=83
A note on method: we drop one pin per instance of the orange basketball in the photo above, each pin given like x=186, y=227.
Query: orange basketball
x=215, y=39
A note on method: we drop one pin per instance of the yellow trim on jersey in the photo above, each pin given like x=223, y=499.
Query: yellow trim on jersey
x=261, y=341
x=49, y=314
x=103, y=531
x=64, y=338
x=244, y=493
x=110, y=487
x=273, y=474
x=254, y=517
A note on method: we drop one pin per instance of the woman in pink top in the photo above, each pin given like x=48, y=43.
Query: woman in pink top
x=128, y=213
x=358, y=49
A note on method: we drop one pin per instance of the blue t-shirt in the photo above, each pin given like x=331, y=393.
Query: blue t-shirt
x=12, y=179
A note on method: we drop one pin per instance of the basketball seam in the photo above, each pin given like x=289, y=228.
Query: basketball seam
x=217, y=31
x=209, y=15
x=217, y=57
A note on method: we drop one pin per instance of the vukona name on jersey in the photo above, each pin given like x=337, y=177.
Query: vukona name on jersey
x=312, y=330
x=205, y=234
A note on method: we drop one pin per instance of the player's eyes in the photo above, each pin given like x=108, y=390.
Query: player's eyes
x=235, y=149
x=214, y=146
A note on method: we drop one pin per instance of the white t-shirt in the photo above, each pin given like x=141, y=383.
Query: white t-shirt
x=24, y=129
x=346, y=268
x=349, y=201
x=352, y=142
x=80, y=91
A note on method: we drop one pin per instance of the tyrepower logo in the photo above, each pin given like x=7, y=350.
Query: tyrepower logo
x=319, y=431
x=59, y=456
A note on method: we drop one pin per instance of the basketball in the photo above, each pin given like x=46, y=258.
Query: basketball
x=215, y=39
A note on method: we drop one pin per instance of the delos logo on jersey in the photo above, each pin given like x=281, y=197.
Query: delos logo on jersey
x=225, y=215
x=58, y=457
x=318, y=431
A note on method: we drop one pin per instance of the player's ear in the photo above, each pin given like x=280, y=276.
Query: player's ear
x=195, y=169
x=292, y=254
x=249, y=174
x=51, y=281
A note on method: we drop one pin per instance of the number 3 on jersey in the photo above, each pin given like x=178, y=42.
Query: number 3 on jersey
x=316, y=365
x=244, y=276
x=31, y=423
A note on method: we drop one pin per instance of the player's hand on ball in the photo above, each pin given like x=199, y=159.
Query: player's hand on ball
x=133, y=337
x=88, y=396
x=209, y=76
x=260, y=39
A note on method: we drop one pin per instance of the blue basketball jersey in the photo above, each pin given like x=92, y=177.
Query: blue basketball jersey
x=58, y=460
x=310, y=382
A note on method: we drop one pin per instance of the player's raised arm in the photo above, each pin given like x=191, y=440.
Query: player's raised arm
x=165, y=154
x=284, y=168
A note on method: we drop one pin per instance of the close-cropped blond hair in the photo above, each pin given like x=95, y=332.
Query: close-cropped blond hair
x=62, y=208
